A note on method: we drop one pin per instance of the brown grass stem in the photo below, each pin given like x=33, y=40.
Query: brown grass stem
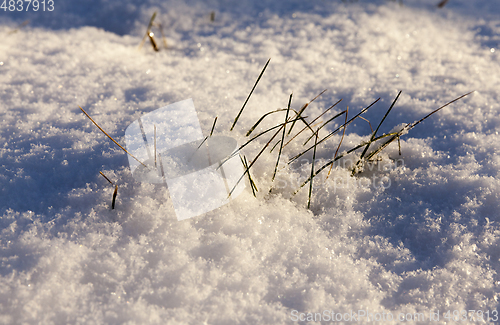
x=111, y=137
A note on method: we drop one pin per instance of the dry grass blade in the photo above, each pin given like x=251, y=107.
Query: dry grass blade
x=303, y=108
x=297, y=114
x=261, y=119
x=312, y=170
x=310, y=124
x=371, y=129
x=115, y=193
x=202, y=142
x=250, y=94
x=384, y=145
x=257, y=157
x=410, y=126
x=151, y=21
x=252, y=139
x=380, y=124
x=213, y=126
x=393, y=136
x=266, y=115
x=252, y=183
x=152, y=41
x=399, y=145
x=282, y=137
x=110, y=182
x=111, y=138
x=324, y=124
x=442, y=3
x=375, y=133
x=250, y=176
x=24, y=23
x=343, y=132
x=275, y=145
x=211, y=132
x=340, y=143
x=331, y=162
x=436, y=110
x=148, y=30
x=334, y=132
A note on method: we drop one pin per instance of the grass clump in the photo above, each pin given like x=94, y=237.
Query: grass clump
x=366, y=155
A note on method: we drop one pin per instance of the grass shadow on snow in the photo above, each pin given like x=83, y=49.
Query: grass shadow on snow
x=44, y=179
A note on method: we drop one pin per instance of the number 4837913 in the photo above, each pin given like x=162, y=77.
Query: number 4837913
x=27, y=5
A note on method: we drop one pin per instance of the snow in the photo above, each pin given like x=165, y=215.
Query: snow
x=416, y=233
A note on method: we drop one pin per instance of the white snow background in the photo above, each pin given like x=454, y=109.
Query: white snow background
x=428, y=242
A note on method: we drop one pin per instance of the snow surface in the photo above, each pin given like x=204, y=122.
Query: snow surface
x=427, y=240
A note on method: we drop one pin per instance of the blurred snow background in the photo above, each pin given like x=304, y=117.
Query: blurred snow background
x=429, y=241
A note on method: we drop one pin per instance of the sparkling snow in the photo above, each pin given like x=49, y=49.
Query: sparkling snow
x=418, y=237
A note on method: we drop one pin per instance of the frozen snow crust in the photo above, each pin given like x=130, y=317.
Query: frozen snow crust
x=427, y=240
